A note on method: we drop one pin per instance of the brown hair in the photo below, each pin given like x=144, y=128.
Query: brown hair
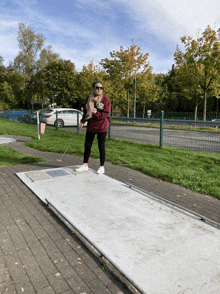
x=97, y=83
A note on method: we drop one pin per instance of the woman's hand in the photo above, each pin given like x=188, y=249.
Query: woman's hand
x=88, y=117
x=81, y=125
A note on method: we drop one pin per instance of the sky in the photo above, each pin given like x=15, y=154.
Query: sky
x=88, y=30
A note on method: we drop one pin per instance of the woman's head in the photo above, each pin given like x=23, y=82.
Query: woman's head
x=98, y=88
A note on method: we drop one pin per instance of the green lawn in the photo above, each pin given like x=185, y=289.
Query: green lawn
x=198, y=171
x=10, y=157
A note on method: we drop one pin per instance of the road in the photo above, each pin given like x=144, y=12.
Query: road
x=199, y=141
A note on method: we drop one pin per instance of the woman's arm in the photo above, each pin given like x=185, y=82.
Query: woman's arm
x=105, y=112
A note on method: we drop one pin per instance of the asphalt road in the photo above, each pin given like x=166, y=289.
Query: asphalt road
x=199, y=141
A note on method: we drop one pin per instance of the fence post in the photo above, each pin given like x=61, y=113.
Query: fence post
x=109, y=129
x=38, y=125
x=57, y=120
x=77, y=122
x=161, y=128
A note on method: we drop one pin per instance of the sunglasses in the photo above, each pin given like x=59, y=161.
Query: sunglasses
x=101, y=88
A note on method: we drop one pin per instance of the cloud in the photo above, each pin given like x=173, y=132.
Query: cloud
x=86, y=30
x=172, y=19
x=192, y=15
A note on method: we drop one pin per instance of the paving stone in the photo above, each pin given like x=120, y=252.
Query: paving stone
x=78, y=285
x=63, y=245
x=27, y=288
x=85, y=273
x=97, y=287
x=71, y=292
x=16, y=269
x=47, y=290
x=16, y=237
x=57, y=282
x=42, y=258
x=8, y=288
x=68, y=272
x=72, y=257
x=32, y=269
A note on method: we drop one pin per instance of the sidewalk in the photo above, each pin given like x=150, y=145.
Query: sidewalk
x=38, y=254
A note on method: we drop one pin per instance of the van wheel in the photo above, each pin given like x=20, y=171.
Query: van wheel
x=59, y=122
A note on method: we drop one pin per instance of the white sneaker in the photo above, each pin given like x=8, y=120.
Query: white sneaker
x=82, y=168
x=101, y=170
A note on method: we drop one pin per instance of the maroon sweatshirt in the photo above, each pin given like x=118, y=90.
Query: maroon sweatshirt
x=99, y=123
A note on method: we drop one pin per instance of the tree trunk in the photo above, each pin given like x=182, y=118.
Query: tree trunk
x=144, y=111
x=196, y=111
x=205, y=104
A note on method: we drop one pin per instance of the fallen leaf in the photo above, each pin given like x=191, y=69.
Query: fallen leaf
x=201, y=169
x=79, y=263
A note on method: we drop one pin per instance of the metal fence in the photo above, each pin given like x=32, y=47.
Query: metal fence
x=199, y=136
x=159, y=131
x=172, y=115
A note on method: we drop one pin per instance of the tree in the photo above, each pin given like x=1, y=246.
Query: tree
x=147, y=91
x=202, y=60
x=56, y=79
x=2, y=68
x=26, y=63
x=84, y=81
x=187, y=86
x=124, y=66
x=7, y=96
x=29, y=44
x=46, y=56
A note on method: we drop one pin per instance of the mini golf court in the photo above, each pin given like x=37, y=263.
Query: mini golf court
x=158, y=247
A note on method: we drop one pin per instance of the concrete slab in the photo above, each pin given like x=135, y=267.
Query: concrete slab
x=4, y=140
x=158, y=247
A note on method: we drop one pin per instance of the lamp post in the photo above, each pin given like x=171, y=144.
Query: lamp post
x=135, y=97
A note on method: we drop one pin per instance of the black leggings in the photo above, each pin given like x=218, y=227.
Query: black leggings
x=101, y=143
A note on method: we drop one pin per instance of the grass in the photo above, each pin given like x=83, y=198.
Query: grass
x=198, y=171
x=11, y=157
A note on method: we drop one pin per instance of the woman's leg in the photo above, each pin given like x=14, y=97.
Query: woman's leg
x=101, y=143
x=88, y=144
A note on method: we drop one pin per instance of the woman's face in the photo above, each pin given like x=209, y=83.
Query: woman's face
x=98, y=89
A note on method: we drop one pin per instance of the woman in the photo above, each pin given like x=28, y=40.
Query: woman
x=96, y=112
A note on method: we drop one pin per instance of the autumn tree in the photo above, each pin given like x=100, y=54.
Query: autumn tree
x=147, y=91
x=125, y=66
x=186, y=84
x=201, y=60
x=84, y=81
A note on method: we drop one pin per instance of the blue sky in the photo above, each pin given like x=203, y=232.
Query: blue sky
x=86, y=30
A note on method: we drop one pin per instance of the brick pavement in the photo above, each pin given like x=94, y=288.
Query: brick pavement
x=39, y=254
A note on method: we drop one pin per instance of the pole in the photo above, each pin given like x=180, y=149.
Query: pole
x=135, y=97
x=77, y=122
x=57, y=120
x=38, y=125
x=161, y=128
